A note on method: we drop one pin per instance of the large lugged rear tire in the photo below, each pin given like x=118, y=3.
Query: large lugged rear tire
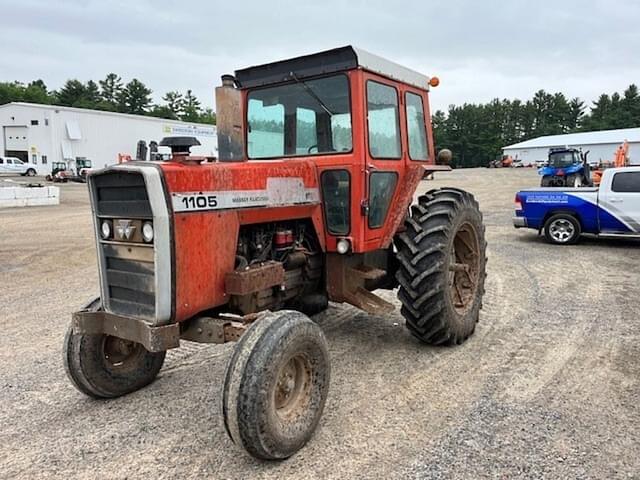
x=442, y=256
x=276, y=385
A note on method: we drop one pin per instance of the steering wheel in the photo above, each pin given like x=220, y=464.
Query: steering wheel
x=312, y=147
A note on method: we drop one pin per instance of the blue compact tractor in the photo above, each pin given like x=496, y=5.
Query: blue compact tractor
x=567, y=167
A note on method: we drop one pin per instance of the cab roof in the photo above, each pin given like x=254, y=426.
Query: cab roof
x=329, y=61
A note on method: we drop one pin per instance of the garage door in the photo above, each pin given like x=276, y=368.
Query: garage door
x=15, y=138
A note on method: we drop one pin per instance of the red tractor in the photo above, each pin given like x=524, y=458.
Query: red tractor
x=311, y=200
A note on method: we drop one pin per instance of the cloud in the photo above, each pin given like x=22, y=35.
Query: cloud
x=480, y=50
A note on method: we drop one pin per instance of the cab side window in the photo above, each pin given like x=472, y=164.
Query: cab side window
x=416, y=127
x=626, y=182
x=383, y=121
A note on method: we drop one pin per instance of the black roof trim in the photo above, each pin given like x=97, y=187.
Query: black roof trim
x=329, y=61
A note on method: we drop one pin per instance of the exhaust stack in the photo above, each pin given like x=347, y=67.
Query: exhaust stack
x=229, y=124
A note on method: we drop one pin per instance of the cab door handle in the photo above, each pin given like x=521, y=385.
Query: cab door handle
x=616, y=200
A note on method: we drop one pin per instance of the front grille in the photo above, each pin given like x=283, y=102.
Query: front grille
x=128, y=268
x=121, y=194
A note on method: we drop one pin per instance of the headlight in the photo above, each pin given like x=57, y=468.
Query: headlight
x=147, y=232
x=343, y=246
x=105, y=229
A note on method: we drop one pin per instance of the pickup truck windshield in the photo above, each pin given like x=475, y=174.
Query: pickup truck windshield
x=307, y=117
x=563, y=159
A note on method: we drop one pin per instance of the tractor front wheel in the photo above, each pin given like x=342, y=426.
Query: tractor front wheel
x=442, y=256
x=103, y=366
x=276, y=385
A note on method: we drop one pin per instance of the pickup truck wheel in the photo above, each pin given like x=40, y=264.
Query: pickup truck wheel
x=31, y=172
x=562, y=229
x=102, y=366
x=276, y=385
x=442, y=258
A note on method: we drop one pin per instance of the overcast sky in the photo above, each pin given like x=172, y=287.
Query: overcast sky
x=480, y=50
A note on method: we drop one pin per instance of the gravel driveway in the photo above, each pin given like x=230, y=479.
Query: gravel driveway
x=547, y=387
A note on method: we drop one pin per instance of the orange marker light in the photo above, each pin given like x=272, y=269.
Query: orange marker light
x=434, y=81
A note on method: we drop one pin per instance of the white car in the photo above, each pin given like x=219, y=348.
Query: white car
x=15, y=166
x=542, y=163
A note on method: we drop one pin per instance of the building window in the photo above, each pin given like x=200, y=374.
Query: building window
x=34, y=159
x=46, y=122
x=44, y=159
x=383, y=121
x=35, y=122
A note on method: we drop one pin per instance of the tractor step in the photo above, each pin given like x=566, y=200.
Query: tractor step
x=368, y=301
x=367, y=273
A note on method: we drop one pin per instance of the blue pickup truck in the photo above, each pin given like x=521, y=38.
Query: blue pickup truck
x=563, y=214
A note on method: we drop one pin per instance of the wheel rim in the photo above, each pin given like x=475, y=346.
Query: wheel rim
x=561, y=230
x=121, y=354
x=464, y=267
x=292, y=391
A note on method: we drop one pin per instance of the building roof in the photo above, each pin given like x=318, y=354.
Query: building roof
x=101, y=112
x=586, y=138
x=329, y=61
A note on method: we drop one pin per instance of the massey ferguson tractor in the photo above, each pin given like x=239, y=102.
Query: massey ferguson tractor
x=311, y=200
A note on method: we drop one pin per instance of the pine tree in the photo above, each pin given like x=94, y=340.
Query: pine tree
x=110, y=91
x=191, y=108
x=175, y=104
x=72, y=94
x=135, y=98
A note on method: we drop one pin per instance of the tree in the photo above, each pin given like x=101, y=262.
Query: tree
x=208, y=116
x=36, y=92
x=175, y=104
x=161, y=111
x=191, y=108
x=72, y=94
x=135, y=98
x=110, y=91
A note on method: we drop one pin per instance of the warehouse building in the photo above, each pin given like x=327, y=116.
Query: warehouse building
x=44, y=134
x=601, y=145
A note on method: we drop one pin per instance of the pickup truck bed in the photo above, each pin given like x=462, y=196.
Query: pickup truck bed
x=566, y=213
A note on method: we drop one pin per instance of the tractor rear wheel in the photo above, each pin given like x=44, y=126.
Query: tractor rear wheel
x=574, y=181
x=102, y=366
x=442, y=256
x=276, y=385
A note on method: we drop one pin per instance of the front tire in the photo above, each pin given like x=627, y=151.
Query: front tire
x=442, y=256
x=276, y=385
x=562, y=229
x=102, y=366
x=31, y=172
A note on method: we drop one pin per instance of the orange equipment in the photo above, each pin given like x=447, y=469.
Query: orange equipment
x=311, y=200
x=124, y=158
x=620, y=159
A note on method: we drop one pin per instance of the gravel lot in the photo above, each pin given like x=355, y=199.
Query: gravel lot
x=547, y=387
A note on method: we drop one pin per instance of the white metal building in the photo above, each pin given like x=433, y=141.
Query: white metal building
x=601, y=145
x=43, y=134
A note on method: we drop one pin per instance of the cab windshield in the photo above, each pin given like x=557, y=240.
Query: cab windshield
x=563, y=159
x=306, y=117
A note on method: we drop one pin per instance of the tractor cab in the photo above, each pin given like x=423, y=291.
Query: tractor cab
x=58, y=167
x=567, y=167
